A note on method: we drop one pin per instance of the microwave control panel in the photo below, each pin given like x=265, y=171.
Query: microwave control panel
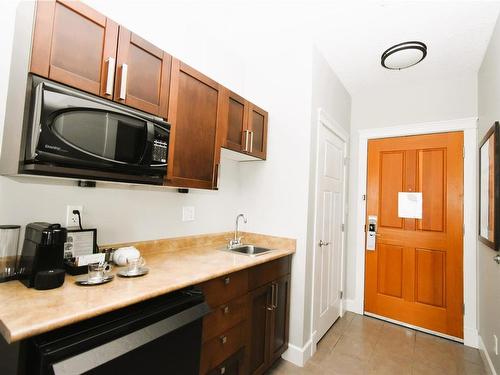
x=160, y=145
x=160, y=149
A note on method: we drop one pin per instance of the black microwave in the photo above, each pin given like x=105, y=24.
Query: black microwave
x=77, y=135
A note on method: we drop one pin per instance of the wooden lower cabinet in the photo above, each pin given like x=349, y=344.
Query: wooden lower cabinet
x=247, y=330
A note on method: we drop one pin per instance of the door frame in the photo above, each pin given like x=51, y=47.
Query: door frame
x=325, y=120
x=469, y=127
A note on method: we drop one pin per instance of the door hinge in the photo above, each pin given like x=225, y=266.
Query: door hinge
x=363, y=197
x=345, y=161
x=365, y=228
x=343, y=227
x=463, y=152
x=463, y=309
x=341, y=294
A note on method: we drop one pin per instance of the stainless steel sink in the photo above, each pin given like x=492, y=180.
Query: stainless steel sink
x=249, y=250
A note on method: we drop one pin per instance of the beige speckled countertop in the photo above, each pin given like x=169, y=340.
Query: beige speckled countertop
x=173, y=263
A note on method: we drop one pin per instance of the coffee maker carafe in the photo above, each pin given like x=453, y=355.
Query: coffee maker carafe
x=42, y=256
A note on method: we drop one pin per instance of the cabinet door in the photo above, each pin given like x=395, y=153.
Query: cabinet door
x=236, y=136
x=260, y=316
x=257, y=125
x=194, y=113
x=280, y=318
x=75, y=45
x=142, y=75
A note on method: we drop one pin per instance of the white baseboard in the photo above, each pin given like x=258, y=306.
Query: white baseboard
x=354, y=306
x=486, y=356
x=471, y=337
x=298, y=356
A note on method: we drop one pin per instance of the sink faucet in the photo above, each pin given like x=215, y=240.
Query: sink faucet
x=236, y=241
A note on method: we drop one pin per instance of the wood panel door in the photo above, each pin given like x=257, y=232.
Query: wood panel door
x=415, y=273
x=280, y=318
x=142, y=74
x=194, y=113
x=259, y=322
x=257, y=127
x=235, y=122
x=75, y=45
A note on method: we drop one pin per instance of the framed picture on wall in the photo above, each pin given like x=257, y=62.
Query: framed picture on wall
x=489, y=188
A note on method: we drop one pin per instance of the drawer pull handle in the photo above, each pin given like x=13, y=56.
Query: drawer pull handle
x=225, y=309
x=227, y=280
x=223, y=339
x=222, y=370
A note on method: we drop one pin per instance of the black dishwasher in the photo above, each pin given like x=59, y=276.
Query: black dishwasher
x=159, y=336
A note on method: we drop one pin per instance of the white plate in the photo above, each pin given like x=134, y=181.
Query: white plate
x=140, y=272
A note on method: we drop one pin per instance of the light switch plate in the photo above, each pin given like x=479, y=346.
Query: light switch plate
x=188, y=213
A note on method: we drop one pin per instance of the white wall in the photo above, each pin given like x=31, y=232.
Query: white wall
x=488, y=270
x=329, y=94
x=424, y=101
x=253, y=49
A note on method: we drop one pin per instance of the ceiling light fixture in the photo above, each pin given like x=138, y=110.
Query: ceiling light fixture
x=403, y=55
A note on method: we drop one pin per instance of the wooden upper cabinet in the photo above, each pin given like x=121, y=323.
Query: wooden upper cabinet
x=142, y=74
x=257, y=126
x=244, y=126
x=235, y=121
x=194, y=114
x=75, y=45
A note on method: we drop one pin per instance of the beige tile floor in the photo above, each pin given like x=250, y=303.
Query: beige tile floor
x=361, y=345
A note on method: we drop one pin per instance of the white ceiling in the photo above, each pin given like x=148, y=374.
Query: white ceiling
x=353, y=34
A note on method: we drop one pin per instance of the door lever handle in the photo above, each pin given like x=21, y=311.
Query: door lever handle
x=321, y=243
x=497, y=259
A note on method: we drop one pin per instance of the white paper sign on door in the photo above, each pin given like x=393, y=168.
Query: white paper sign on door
x=410, y=205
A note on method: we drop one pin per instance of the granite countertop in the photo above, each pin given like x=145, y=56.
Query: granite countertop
x=174, y=264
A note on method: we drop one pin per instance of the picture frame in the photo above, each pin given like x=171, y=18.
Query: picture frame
x=489, y=188
x=80, y=242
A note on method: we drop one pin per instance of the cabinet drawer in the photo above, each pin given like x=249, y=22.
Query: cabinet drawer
x=267, y=272
x=221, y=347
x=223, y=289
x=231, y=366
x=224, y=317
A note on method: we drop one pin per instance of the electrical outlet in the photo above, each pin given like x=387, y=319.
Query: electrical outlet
x=495, y=344
x=71, y=218
x=188, y=213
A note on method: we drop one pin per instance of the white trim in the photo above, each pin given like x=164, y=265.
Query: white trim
x=416, y=328
x=325, y=120
x=486, y=356
x=354, y=306
x=298, y=356
x=469, y=127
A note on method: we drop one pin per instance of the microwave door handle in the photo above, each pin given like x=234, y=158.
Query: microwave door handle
x=147, y=157
x=37, y=120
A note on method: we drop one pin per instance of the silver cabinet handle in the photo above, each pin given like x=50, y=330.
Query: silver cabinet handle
x=223, y=339
x=222, y=370
x=225, y=309
x=227, y=280
x=321, y=243
x=110, y=79
x=123, y=85
x=246, y=139
x=251, y=141
x=497, y=259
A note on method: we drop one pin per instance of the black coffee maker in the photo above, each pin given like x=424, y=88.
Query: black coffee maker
x=41, y=265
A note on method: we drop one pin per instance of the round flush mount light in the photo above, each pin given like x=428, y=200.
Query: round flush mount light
x=403, y=55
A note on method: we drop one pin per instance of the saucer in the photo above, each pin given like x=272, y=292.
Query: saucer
x=87, y=282
x=136, y=273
